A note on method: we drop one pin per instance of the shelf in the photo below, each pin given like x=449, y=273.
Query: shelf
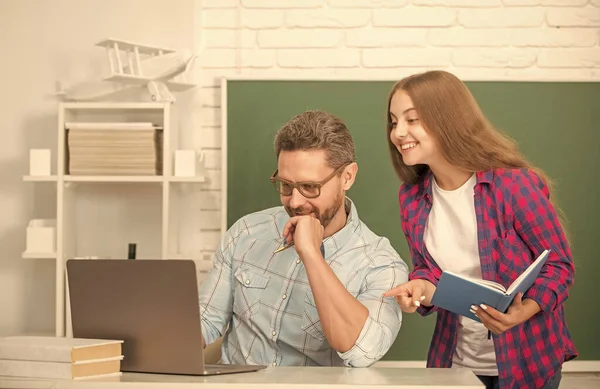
x=179, y=86
x=39, y=178
x=39, y=255
x=198, y=179
x=160, y=215
x=117, y=106
x=69, y=178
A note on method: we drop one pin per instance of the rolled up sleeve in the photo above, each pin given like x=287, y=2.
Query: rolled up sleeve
x=385, y=317
x=216, y=294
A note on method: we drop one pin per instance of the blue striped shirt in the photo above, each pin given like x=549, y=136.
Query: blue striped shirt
x=263, y=303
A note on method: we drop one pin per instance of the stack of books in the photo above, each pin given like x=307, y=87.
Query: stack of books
x=59, y=358
x=114, y=149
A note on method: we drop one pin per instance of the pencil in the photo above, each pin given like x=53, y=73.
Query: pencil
x=287, y=246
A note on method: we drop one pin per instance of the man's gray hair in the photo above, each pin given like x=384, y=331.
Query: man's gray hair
x=317, y=130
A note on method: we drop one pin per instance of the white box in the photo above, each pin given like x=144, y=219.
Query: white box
x=39, y=162
x=41, y=236
x=185, y=163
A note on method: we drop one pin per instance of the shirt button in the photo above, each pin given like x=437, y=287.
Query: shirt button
x=274, y=333
x=297, y=260
x=274, y=364
x=247, y=282
x=284, y=296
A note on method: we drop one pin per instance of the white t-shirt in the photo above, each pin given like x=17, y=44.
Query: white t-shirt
x=451, y=239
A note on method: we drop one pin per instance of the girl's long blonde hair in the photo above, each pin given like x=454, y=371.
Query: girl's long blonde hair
x=466, y=139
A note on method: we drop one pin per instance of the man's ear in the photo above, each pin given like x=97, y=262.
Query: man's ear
x=349, y=175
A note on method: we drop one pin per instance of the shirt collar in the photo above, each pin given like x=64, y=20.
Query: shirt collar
x=332, y=244
x=483, y=177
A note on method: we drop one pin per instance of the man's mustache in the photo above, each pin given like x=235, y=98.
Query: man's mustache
x=302, y=212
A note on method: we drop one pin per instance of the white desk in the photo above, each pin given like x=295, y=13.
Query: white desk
x=275, y=378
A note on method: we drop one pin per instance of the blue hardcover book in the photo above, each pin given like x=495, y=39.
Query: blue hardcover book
x=457, y=293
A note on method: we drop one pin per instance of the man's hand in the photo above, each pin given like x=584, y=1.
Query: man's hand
x=307, y=234
x=498, y=322
x=342, y=315
x=412, y=294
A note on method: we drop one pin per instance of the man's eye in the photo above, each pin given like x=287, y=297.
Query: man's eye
x=310, y=188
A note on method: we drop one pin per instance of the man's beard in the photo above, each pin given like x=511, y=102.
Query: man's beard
x=324, y=218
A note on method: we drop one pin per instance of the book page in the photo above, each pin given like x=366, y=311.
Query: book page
x=486, y=283
x=492, y=284
x=57, y=349
x=53, y=341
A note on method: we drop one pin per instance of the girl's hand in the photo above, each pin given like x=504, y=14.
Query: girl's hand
x=498, y=322
x=409, y=295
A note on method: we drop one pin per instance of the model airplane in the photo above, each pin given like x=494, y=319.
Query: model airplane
x=133, y=65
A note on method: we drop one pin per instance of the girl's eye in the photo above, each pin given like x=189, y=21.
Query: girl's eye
x=393, y=125
x=413, y=120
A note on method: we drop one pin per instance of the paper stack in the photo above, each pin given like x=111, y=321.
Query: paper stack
x=129, y=148
x=59, y=358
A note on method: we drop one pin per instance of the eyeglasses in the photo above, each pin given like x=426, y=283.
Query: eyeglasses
x=308, y=189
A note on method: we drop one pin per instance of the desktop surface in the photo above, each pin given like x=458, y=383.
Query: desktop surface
x=279, y=378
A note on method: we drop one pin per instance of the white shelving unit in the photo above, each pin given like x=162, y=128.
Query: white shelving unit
x=40, y=178
x=143, y=203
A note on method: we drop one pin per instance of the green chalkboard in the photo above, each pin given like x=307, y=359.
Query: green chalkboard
x=557, y=125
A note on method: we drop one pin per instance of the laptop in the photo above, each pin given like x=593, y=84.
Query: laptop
x=152, y=305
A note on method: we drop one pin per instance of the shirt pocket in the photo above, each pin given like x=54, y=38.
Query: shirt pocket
x=248, y=290
x=311, y=325
x=509, y=252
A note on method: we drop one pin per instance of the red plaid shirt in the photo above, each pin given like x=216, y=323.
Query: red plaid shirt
x=515, y=223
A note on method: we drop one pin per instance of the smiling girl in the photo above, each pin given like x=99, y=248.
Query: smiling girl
x=472, y=204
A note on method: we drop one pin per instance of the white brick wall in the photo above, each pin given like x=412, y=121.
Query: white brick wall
x=415, y=17
x=484, y=39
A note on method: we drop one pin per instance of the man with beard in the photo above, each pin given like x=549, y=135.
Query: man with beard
x=302, y=284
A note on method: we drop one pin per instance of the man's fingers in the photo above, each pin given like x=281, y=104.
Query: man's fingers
x=288, y=229
x=289, y=236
